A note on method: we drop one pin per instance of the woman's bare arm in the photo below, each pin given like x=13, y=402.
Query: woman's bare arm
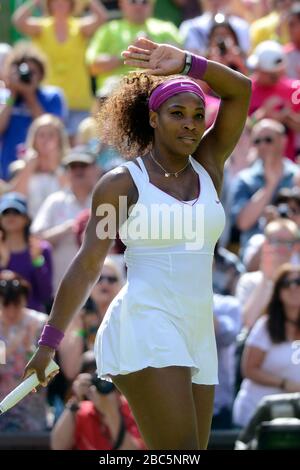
x=24, y=21
x=86, y=266
x=233, y=88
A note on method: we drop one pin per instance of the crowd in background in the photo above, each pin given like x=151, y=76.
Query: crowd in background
x=52, y=84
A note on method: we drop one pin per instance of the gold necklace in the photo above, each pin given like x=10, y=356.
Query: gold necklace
x=167, y=173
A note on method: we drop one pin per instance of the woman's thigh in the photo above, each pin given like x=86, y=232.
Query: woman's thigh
x=204, y=405
x=161, y=400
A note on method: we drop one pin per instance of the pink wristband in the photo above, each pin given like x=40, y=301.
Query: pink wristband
x=198, y=67
x=51, y=337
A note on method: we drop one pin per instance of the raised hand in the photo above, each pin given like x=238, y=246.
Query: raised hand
x=157, y=59
x=35, y=247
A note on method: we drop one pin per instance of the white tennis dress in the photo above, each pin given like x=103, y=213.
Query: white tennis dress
x=163, y=315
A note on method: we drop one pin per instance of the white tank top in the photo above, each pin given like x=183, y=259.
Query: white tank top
x=161, y=221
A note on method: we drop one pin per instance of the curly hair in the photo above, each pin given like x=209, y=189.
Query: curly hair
x=123, y=119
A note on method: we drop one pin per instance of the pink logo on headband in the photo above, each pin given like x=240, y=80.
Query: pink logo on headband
x=172, y=87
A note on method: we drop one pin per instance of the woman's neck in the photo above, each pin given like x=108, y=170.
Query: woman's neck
x=16, y=241
x=46, y=166
x=168, y=160
x=60, y=17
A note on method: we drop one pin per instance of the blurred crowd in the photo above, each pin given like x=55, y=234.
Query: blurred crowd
x=52, y=84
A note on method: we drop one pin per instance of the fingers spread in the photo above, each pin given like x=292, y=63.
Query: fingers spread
x=144, y=42
x=137, y=56
x=136, y=63
x=138, y=50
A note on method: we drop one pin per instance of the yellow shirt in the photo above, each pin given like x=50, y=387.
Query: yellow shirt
x=67, y=68
x=265, y=29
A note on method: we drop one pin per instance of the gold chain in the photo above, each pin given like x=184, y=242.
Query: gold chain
x=167, y=173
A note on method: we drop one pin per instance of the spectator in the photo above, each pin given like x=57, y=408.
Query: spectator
x=55, y=219
x=273, y=94
x=195, y=32
x=227, y=269
x=20, y=329
x=97, y=418
x=273, y=26
x=88, y=132
x=63, y=38
x=223, y=45
x=107, y=287
x=23, y=100
x=241, y=158
x=24, y=253
x=227, y=321
x=258, y=186
x=40, y=174
x=254, y=289
x=286, y=205
x=292, y=49
x=5, y=49
x=267, y=362
x=104, y=51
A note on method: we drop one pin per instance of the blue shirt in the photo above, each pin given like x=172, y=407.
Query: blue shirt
x=248, y=182
x=50, y=98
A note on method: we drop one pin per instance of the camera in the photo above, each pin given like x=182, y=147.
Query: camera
x=103, y=386
x=222, y=46
x=25, y=74
x=283, y=210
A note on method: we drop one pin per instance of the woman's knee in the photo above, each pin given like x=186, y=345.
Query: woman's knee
x=162, y=404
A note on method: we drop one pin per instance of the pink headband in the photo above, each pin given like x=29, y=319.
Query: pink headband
x=172, y=87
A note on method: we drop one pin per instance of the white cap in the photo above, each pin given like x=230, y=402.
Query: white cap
x=267, y=56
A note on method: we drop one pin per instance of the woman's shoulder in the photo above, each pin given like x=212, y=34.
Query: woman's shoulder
x=114, y=183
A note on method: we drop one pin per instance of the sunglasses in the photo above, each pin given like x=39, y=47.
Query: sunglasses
x=139, y=2
x=286, y=283
x=286, y=243
x=260, y=140
x=109, y=279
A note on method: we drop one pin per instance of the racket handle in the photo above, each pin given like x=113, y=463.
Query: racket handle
x=24, y=388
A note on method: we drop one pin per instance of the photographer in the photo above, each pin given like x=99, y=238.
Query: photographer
x=224, y=47
x=23, y=100
x=96, y=418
